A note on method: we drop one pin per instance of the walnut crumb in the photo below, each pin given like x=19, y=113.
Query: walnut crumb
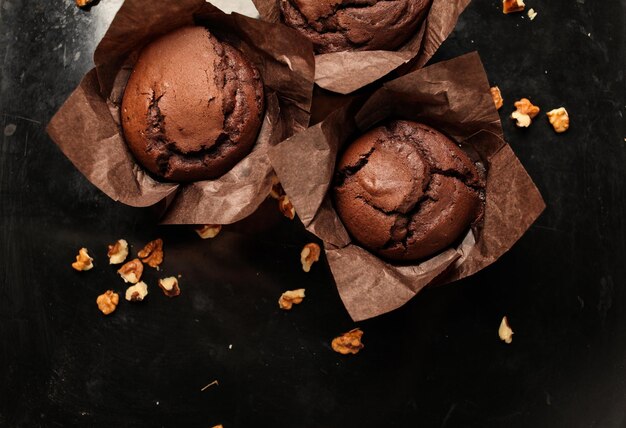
x=137, y=292
x=532, y=14
x=348, y=343
x=309, y=255
x=83, y=260
x=118, y=252
x=277, y=189
x=511, y=6
x=290, y=298
x=169, y=286
x=497, y=97
x=505, y=332
x=286, y=207
x=559, y=119
x=84, y=3
x=208, y=231
x=525, y=112
x=152, y=253
x=131, y=271
x=107, y=302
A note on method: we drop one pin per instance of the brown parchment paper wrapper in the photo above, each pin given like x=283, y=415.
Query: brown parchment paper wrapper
x=87, y=126
x=345, y=72
x=452, y=96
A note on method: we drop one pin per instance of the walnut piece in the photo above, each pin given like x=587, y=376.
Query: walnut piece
x=290, y=298
x=505, y=332
x=510, y=6
x=152, y=253
x=107, y=302
x=277, y=189
x=532, y=14
x=285, y=207
x=348, y=343
x=497, y=97
x=169, y=286
x=118, y=252
x=84, y=3
x=309, y=255
x=525, y=112
x=131, y=271
x=559, y=119
x=83, y=261
x=208, y=230
x=137, y=292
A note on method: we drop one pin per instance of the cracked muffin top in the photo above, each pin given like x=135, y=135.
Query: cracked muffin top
x=192, y=107
x=354, y=25
x=405, y=191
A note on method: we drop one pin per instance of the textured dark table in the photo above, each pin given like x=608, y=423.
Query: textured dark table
x=435, y=363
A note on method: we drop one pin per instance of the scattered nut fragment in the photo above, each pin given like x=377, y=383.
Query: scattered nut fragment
x=83, y=261
x=290, y=298
x=559, y=119
x=107, y=302
x=208, y=230
x=525, y=112
x=348, y=343
x=118, y=252
x=285, y=207
x=532, y=14
x=152, y=253
x=505, y=332
x=309, y=255
x=510, y=6
x=277, y=189
x=137, y=292
x=84, y=3
x=497, y=97
x=131, y=271
x=169, y=286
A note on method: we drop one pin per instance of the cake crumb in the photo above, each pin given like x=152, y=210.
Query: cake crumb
x=532, y=14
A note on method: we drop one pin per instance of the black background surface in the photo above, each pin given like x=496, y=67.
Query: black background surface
x=437, y=362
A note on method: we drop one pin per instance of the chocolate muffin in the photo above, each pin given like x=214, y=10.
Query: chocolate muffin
x=354, y=25
x=192, y=107
x=405, y=191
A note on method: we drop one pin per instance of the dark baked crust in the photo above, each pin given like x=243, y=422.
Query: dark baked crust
x=354, y=25
x=405, y=191
x=192, y=107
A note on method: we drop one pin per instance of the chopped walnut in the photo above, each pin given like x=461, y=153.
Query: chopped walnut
x=208, y=230
x=169, y=286
x=510, y=6
x=505, y=332
x=497, y=97
x=131, y=271
x=532, y=14
x=285, y=207
x=152, y=253
x=290, y=298
x=137, y=292
x=348, y=343
x=107, y=302
x=84, y=3
x=309, y=255
x=118, y=252
x=277, y=189
x=525, y=112
x=559, y=119
x=83, y=261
